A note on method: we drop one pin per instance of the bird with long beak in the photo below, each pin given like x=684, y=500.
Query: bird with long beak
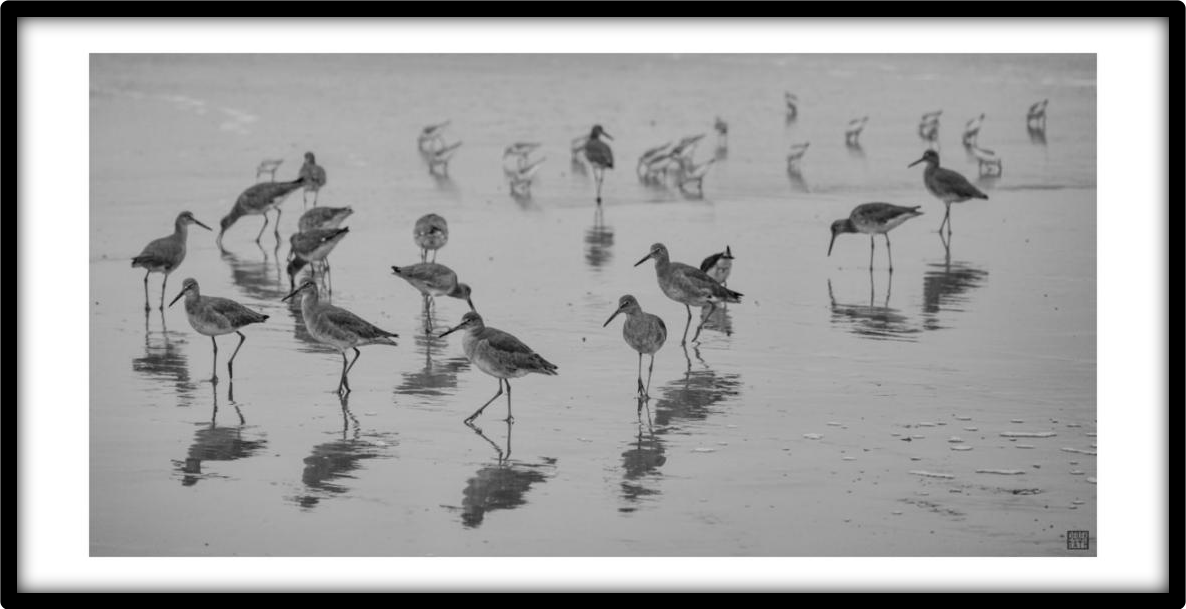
x=259, y=199
x=599, y=155
x=214, y=316
x=645, y=333
x=164, y=255
x=498, y=354
x=873, y=219
x=338, y=328
x=434, y=279
x=946, y=185
x=688, y=286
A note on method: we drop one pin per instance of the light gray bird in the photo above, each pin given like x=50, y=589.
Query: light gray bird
x=873, y=219
x=431, y=233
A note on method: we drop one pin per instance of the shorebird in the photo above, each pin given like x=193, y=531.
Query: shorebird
x=430, y=233
x=521, y=178
x=873, y=219
x=314, y=177
x=651, y=160
x=691, y=173
x=689, y=286
x=988, y=162
x=972, y=130
x=1035, y=117
x=432, y=137
x=644, y=332
x=599, y=155
x=164, y=255
x=719, y=265
x=498, y=354
x=795, y=154
x=792, y=105
x=520, y=150
x=947, y=185
x=928, y=126
x=338, y=328
x=215, y=316
x=432, y=280
x=259, y=200
x=323, y=217
x=268, y=166
x=441, y=157
x=307, y=247
x=852, y=133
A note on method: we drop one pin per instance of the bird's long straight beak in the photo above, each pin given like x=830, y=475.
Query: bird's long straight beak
x=290, y=295
x=831, y=243
x=611, y=318
x=177, y=297
x=202, y=225
x=916, y=162
x=606, y=134
x=450, y=331
x=647, y=257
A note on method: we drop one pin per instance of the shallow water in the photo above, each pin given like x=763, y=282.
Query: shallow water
x=835, y=411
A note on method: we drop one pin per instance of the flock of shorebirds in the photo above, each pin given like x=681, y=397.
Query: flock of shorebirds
x=497, y=353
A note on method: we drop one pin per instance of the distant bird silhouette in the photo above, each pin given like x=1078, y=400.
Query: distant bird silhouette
x=599, y=155
x=314, y=177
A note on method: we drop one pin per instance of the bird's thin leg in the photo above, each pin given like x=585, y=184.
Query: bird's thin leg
x=684, y=340
x=262, y=228
x=871, y=248
x=640, y=387
x=479, y=411
x=146, y=305
x=711, y=307
x=231, y=362
x=342, y=381
x=276, y=226
x=889, y=253
x=948, y=220
x=164, y=282
x=510, y=419
x=646, y=392
x=214, y=362
x=599, y=174
x=423, y=255
x=356, y=354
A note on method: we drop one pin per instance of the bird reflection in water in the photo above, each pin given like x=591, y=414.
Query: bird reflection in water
x=331, y=463
x=215, y=443
x=944, y=286
x=693, y=397
x=163, y=357
x=258, y=278
x=437, y=377
x=599, y=242
x=500, y=486
x=873, y=321
x=719, y=319
x=1037, y=135
x=640, y=465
